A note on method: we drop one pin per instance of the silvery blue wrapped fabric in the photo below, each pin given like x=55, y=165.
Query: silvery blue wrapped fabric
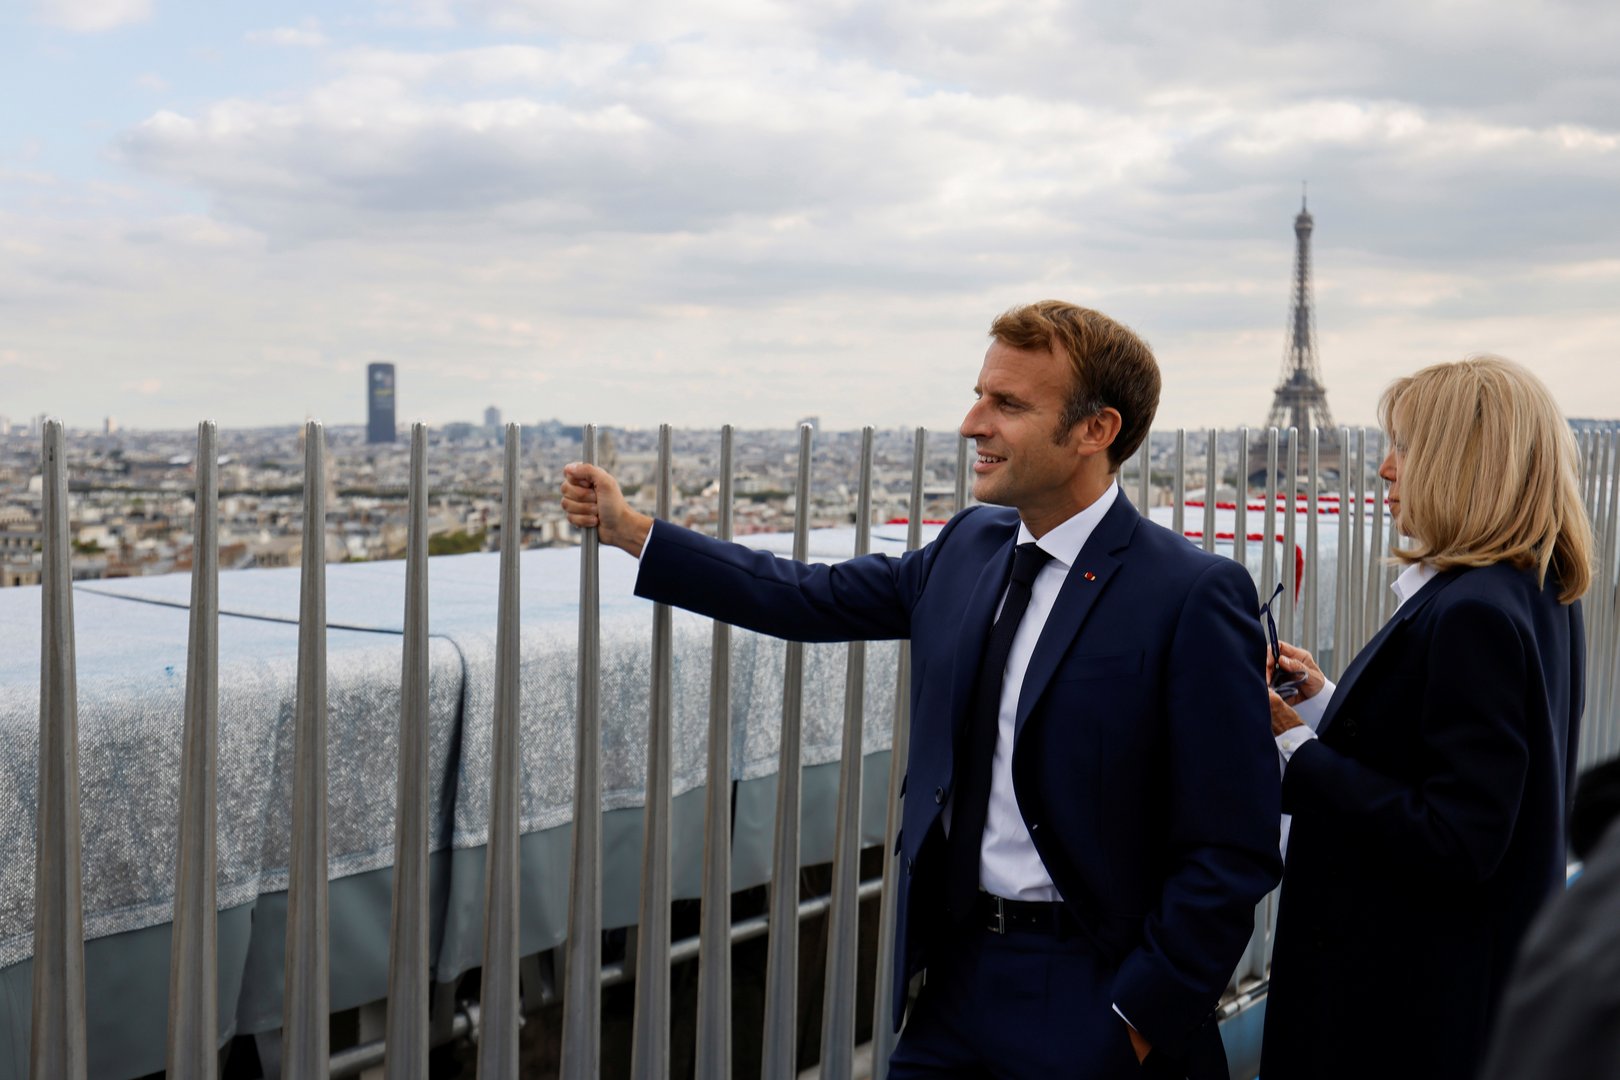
x=131, y=656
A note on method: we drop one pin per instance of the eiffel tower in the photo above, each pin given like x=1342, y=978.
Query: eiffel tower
x=1300, y=399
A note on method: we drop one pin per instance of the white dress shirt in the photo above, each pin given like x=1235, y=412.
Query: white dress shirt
x=1009, y=866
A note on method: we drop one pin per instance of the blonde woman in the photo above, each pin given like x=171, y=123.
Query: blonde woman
x=1429, y=802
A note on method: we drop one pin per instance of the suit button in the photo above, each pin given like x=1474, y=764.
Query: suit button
x=939, y=796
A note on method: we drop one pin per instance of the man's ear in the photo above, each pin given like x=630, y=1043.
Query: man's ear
x=1097, y=432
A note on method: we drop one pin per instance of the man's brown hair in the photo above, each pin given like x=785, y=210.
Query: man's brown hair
x=1112, y=367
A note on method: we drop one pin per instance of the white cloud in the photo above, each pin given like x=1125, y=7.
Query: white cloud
x=817, y=208
x=87, y=16
x=306, y=35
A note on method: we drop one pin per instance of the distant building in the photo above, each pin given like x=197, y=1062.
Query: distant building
x=109, y=426
x=492, y=418
x=380, y=427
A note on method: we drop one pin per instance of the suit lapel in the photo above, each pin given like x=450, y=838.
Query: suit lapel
x=976, y=620
x=1087, y=578
x=1341, y=691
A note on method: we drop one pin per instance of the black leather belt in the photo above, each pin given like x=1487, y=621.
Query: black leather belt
x=999, y=916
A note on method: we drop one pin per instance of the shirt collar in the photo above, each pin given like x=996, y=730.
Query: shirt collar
x=1414, y=577
x=1064, y=542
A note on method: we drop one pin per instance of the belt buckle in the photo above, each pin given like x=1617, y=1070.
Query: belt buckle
x=999, y=914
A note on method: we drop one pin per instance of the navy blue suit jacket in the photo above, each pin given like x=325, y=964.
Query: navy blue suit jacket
x=1143, y=763
x=1429, y=824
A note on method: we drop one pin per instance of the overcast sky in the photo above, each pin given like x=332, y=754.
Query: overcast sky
x=749, y=211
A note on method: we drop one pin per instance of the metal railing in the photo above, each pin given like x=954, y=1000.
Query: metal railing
x=1360, y=601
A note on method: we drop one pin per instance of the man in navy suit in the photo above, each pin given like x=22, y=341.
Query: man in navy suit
x=1091, y=803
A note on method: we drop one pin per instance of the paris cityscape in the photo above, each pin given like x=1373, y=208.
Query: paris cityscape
x=133, y=502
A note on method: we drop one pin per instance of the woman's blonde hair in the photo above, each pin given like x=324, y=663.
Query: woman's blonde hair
x=1488, y=472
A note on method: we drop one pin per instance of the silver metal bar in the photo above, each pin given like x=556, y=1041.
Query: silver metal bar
x=962, y=486
x=582, y=995
x=1609, y=744
x=408, y=960
x=1240, y=516
x=843, y=923
x=649, y=1041
x=306, y=993
x=1212, y=486
x=1178, y=500
x=1600, y=607
x=1372, y=603
x=1358, y=562
x=1588, y=447
x=499, y=1004
x=714, y=962
x=1342, y=649
x=883, y=1035
x=1290, y=547
x=1144, y=473
x=57, y=1048
x=782, y=949
x=1309, y=640
x=1591, y=447
x=193, y=1045
x=1268, y=541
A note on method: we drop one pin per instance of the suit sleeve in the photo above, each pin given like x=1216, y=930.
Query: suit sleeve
x=1455, y=819
x=868, y=598
x=1221, y=854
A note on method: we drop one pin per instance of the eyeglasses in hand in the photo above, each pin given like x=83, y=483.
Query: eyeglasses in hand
x=1286, y=683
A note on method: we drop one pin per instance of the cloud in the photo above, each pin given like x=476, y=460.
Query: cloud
x=306, y=35
x=90, y=16
x=631, y=211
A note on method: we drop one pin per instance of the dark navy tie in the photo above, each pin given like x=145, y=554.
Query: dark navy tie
x=971, y=801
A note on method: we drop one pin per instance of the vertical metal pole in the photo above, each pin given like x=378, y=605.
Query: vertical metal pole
x=1599, y=606
x=1178, y=501
x=305, y=1001
x=649, y=1043
x=883, y=1035
x=1268, y=542
x=499, y=1003
x=843, y=920
x=961, y=473
x=1591, y=499
x=1290, y=548
x=1310, y=639
x=714, y=961
x=1240, y=516
x=782, y=948
x=57, y=1033
x=1358, y=564
x=406, y=1045
x=582, y=996
x=1144, y=474
x=1342, y=647
x=1609, y=743
x=193, y=1048
x=1212, y=487
x=1372, y=604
